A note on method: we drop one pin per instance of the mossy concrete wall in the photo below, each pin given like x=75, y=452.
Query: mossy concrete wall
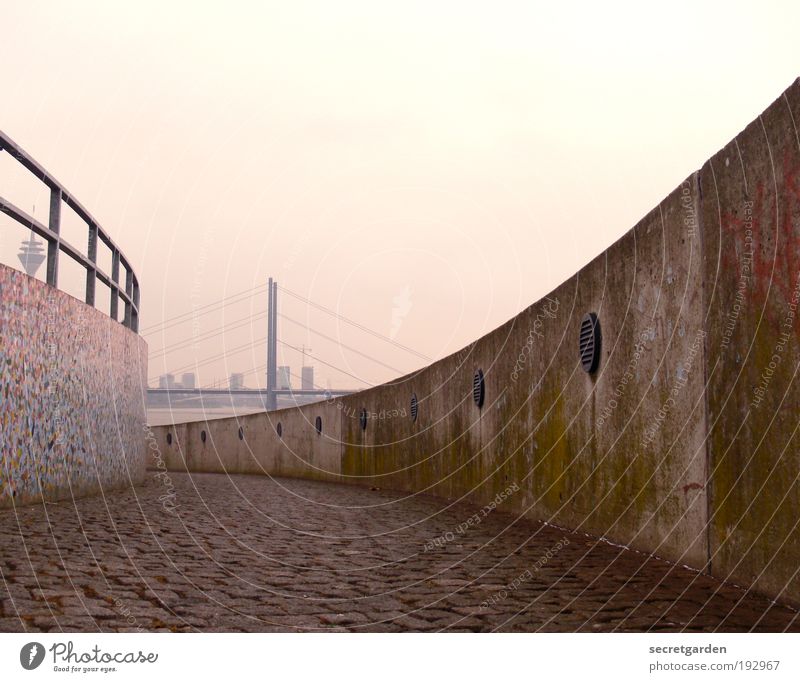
x=751, y=238
x=587, y=451
x=684, y=443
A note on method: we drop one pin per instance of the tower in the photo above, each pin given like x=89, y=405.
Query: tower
x=31, y=255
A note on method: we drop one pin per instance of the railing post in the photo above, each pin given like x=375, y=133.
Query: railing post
x=53, y=246
x=114, y=310
x=128, y=290
x=91, y=273
x=135, y=311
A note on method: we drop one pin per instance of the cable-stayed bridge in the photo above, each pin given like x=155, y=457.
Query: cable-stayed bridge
x=267, y=398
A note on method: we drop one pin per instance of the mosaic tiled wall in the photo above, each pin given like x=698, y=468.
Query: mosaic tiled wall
x=72, y=395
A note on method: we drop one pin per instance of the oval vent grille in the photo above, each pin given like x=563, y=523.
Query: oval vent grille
x=589, y=344
x=414, y=407
x=363, y=418
x=478, y=388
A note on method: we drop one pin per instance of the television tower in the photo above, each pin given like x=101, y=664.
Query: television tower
x=31, y=253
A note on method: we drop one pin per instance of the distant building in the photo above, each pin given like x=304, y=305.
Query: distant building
x=307, y=378
x=166, y=381
x=284, y=377
x=188, y=380
x=236, y=381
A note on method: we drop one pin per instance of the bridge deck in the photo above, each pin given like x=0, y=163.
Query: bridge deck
x=250, y=553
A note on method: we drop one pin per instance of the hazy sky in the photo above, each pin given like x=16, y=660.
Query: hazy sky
x=427, y=169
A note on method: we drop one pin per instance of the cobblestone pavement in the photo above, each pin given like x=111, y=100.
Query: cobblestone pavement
x=250, y=553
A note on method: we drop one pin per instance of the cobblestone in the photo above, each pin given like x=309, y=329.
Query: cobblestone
x=249, y=553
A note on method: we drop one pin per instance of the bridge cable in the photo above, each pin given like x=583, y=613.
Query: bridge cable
x=243, y=322
x=177, y=319
x=329, y=311
x=249, y=293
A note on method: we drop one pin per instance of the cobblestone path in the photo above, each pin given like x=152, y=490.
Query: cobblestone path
x=246, y=553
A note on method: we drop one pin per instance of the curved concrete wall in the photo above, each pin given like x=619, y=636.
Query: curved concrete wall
x=71, y=395
x=251, y=445
x=684, y=443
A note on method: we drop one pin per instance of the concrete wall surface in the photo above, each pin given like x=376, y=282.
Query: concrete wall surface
x=751, y=235
x=250, y=444
x=683, y=443
x=72, y=401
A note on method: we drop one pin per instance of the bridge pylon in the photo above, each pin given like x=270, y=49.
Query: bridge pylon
x=272, y=345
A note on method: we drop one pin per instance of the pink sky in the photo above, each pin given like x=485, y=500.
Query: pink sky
x=428, y=169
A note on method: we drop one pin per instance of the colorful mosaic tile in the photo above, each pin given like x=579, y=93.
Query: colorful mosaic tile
x=72, y=395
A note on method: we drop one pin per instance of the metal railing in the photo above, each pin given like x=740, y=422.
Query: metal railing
x=55, y=244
